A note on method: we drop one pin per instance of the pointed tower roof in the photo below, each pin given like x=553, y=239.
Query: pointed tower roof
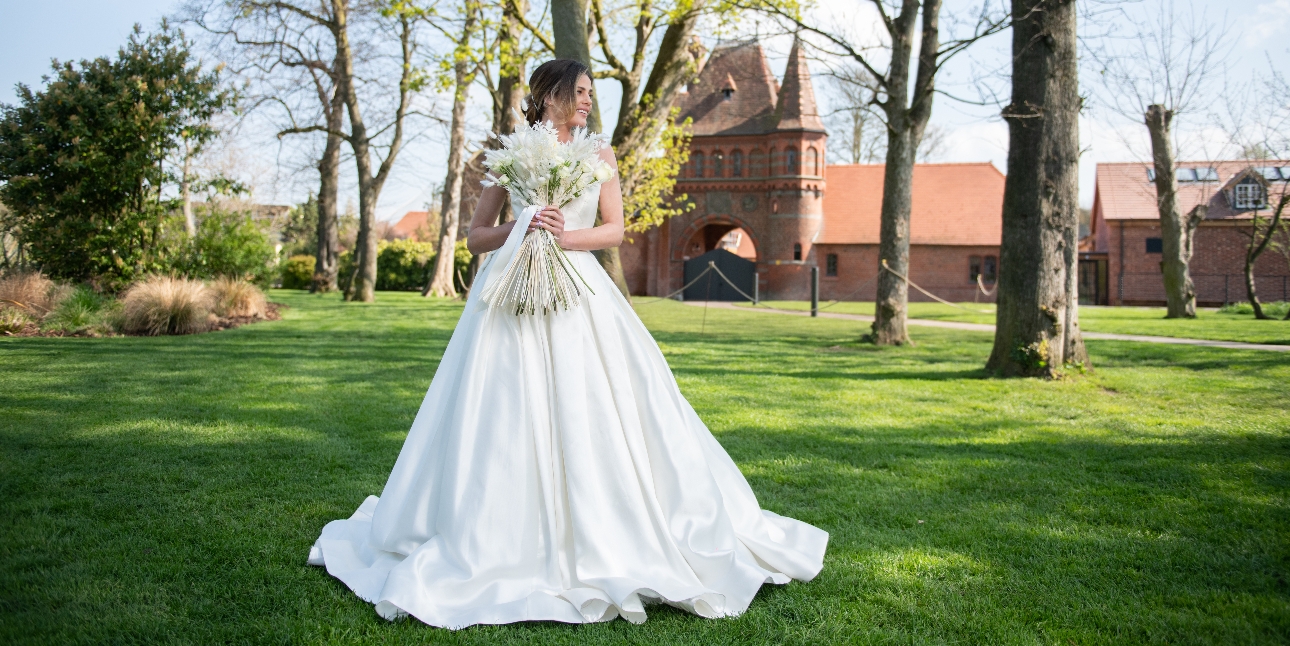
x=749, y=107
x=796, y=108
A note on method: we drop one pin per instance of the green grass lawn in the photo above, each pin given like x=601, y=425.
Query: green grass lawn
x=168, y=489
x=1208, y=324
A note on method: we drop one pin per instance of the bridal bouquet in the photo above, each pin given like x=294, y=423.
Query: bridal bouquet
x=537, y=170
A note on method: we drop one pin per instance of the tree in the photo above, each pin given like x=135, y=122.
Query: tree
x=442, y=282
x=857, y=132
x=1037, y=321
x=402, y=18
x=1262, y=234
x=266, y=38
x=1164, y=72
x=83, y=161
x=645, y=126
x=904, y=96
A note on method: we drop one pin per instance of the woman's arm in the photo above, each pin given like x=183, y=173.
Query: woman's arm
x=484, y=233
x=610, y=231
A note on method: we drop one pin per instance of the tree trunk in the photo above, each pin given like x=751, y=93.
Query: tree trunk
x=363, y=285
x=569, y=26
x=906, y=120
x=1180, y=293
x=891, y=306
x=186, y=194
x=1037, y=325
x=510, y=88
x=442, y=283
x=327, y=255
x=1256, y=249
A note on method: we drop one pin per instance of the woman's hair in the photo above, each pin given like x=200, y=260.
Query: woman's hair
x=555, y=79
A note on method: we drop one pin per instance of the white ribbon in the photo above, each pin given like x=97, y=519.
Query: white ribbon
x=499, y=262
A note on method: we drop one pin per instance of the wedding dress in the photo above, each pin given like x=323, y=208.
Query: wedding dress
x=555, y=472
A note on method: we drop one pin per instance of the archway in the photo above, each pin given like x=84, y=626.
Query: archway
x=717, y=232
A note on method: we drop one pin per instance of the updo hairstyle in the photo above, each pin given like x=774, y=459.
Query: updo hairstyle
x=555, y=79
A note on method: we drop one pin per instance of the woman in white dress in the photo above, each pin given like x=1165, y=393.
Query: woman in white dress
x=554, y=470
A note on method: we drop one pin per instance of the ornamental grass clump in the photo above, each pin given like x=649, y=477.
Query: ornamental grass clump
x=84, y=312
x=233, y=298
x=167, y=305
x=31, y=293
x=538, y=170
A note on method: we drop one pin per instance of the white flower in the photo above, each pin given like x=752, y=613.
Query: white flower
x=604, y=172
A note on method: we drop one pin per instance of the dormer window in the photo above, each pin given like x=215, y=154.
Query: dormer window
x=727, y=93
x=1250, y=195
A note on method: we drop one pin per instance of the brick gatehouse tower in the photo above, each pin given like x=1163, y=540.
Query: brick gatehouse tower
x=755, y=176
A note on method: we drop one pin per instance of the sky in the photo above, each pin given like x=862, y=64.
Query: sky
x=32, y=33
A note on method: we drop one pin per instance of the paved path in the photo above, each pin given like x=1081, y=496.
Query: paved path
x=981, y=327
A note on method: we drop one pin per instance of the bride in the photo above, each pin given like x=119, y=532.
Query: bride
x=554, y=470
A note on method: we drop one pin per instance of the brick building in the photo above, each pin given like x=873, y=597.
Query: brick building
x=1120, y=261
x=760, y=188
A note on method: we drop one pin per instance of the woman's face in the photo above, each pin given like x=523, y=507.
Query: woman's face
x=582, y=106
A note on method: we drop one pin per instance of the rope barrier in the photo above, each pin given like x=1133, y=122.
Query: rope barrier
x=713, y=267
x=928, y=294
x=981, y=286
x=683, y=287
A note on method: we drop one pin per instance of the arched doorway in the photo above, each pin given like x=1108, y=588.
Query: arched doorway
x=720, y=235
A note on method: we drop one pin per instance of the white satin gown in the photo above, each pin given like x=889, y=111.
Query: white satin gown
x=555, y=472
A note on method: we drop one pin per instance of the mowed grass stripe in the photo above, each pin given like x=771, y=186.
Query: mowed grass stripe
x=167, y=489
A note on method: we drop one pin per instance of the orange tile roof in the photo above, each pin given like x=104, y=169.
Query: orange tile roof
x=409, y=223
x=953, y=204
x=1125, y=191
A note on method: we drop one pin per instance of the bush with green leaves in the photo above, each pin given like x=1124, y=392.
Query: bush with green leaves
x=82, y=160
x=403, y=265
x=228, y=243
x=298, y=272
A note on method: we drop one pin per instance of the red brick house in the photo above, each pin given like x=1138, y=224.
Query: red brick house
x=1120, y=261
x=760, y=188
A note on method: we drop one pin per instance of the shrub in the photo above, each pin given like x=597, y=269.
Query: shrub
x=83, y=310
x=13, y=320
x=231, y=297
x=167, y=305
x=403, y=265
x=298, y=272
x=228, y=243
x=31, y=292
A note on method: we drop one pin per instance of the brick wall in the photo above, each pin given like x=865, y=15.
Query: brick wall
x=941, y=270
x=1217, y=266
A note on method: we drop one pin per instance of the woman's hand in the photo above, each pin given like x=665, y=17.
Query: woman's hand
x=551, y=219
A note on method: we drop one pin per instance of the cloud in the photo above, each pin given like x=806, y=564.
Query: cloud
x=1270, y=18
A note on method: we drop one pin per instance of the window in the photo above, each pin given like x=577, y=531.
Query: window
x=736, y=164
x=813, y=162
x=797, y=251
x=718, y=164
x=1250, y=196
x=990, y=271
x=974, y=268
x=727, y=94
x=831, y=265
x=1155, y=245
x=698, y=164
x=790, y=162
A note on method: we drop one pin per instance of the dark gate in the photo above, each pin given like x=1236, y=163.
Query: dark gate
x=711, y=287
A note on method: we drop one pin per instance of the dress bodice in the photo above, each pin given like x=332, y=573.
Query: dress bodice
x=578, y=214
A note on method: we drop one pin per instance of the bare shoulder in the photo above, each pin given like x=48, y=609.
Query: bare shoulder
x=607, y=155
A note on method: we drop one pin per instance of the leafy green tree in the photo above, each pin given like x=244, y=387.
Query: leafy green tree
x=81, y=161
x=228, y=243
